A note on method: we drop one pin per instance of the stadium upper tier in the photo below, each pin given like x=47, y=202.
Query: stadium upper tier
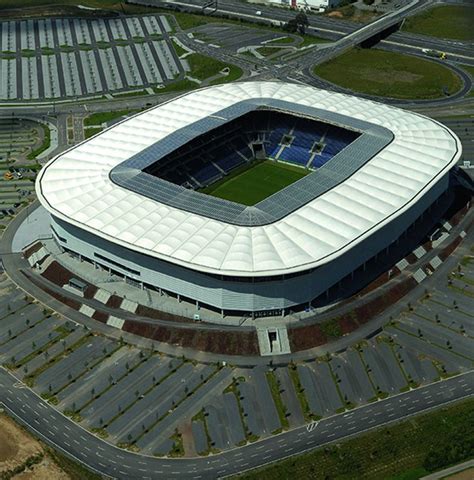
x=103, y=186
x=266, y=133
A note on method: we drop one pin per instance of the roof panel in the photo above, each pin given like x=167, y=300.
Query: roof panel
x=76, y=187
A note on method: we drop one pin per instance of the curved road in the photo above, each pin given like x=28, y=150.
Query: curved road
x=63, y=434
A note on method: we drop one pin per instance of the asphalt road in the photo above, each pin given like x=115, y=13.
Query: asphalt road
x=330, y=27
x=60, y=432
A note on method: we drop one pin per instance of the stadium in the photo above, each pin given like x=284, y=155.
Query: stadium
x=249, y=198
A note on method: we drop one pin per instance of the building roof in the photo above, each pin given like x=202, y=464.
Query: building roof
x=76, y=187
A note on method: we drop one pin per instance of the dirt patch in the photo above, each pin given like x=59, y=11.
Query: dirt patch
x=46, y=470
x=114, y=301
x=467, y=474
x=18, y=448
x=32, y=249
x=230, y=342
x=15, y=445
x=389, y=77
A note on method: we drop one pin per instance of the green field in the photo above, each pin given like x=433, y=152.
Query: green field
x=203, y=67
x=251, y=184
x=389, y=74
x=450, y=21
x=403, y=451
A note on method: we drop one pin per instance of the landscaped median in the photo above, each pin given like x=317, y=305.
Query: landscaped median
x=388, y=74
x=447, y=21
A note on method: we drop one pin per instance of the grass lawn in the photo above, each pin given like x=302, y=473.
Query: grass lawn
x=178, y=86
x=251, y=184
x=203, y=67
x=267, y=51
x=450, y=21
x=90, y=132
x=469, y=69
x=179, y=49
x=403, y=451
x=377, y=72
x=311, y=40
x=102, y=117
x=44, y=146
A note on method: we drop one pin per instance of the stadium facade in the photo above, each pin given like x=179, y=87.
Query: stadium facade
x=128, y=199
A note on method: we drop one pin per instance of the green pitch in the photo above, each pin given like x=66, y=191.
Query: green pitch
x=251, y=184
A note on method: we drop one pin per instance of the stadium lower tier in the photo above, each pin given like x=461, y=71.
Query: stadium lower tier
x=262, y=133
x=241, y=295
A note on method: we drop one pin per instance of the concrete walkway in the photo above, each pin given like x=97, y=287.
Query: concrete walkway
x=447, y=472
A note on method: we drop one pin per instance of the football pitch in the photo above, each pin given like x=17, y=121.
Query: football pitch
x=251, y=184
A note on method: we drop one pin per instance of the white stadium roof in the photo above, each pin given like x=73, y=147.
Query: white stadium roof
x=76, y=187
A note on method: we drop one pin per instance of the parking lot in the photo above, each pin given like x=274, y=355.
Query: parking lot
x=155, y=404
x=57, y=58
x=18, y=138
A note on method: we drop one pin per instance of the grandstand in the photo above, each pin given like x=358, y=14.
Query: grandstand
x=244, y=142
x=146, y=199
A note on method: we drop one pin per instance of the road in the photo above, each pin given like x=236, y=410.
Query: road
x=61, y=433
x=334, y=28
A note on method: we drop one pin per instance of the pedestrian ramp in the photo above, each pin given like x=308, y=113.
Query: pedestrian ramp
x=115, y=322
x=129, y=305
x=273, y=341
x=102, y=295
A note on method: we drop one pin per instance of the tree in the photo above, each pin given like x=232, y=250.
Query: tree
x=291, y=26
x=301, y=22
